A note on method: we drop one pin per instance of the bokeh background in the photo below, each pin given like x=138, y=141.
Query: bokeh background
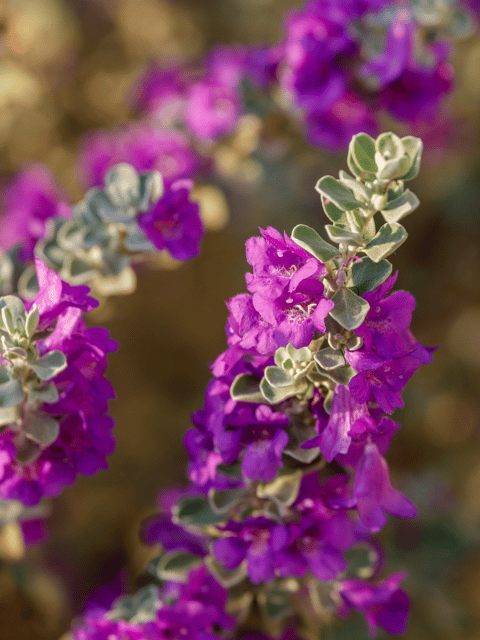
x=66, y=67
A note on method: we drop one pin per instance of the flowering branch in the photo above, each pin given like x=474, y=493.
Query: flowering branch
x=287, y=468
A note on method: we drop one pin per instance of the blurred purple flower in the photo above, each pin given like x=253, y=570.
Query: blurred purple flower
x=383, y=605
x=31, y=199
x=374, y=494
x=144, y=147
x=174, y=222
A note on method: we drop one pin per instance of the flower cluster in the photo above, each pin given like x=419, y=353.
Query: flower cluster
x=28, y=202
x=54, y=395
x=96, y=241
x=342, y=62
x=288, y=476
x=339, y=65
x=206, y=103
x=144, y=147
x=195, y=609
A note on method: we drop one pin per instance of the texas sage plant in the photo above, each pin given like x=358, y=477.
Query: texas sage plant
x=288, y=479
x=53, y=392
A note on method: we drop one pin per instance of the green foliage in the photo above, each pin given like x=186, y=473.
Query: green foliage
x=196, y=511
x=367, y=274
x=308, y=239
x=349, y=310
x=387, y=240
x=49, y=365
x=176, y=566
x=246, y=388
x=335, y=191
x=41, y=428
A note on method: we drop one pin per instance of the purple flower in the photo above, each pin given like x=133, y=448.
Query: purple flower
x=322, y=530
x=381, y=380
x=227, y=430
x=203, y=596
x=287, y=289
x=161, y=93
x=200, y=606
x=247, y=329
x=144, y=147
x=408, y=90
x=212, y=109
x=159, y=528
x=204, y=460
x=196, y=608
x=85, y=437
x=385, y=330
x=383, y=605
x=174, y=222
x=176, y=624
x=29, y=201
x=226, y=65
x=415, y=95
x=256, y=540
x=316, y=546
x=262, y=64
x=395, y=59
x=316, y=35
x=346, y=418
x=374, y=494
x=333, y=126
x=56, y=296
x=261, y=434
x=379, y=430
x=105, y=629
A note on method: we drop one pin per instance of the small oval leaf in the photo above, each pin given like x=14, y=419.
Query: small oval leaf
x=308, y=239
x=349, y=310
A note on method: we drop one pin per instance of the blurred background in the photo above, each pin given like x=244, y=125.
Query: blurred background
x=66, y=67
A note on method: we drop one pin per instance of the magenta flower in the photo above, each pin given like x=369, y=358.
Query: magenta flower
x=31, y=199
x=174, y=222
x=375, y=495
x=142, y=146
x=212, y=109
x=256, y=540
x=161, y=93
x=385, y=330
x=333, y=125
x=346, y=419
x=398, y=52
x=84, y=438
x=247, y=329
x=260, y=434
x=383, y=605
x=287, y=289
x=415, y=96
x=382, y=380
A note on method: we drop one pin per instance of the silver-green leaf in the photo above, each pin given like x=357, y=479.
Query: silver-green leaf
x=42, y=429
x=337, y=193
x=278, y=377
x=367, y=274
x=49, y=365
x=400, y=207
x=387, y=240
x=329, y=358
x=362, y=148
x=246, y=388
x=308, y=239
x=349, y=310
x=343, y=235
x=11, y=392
